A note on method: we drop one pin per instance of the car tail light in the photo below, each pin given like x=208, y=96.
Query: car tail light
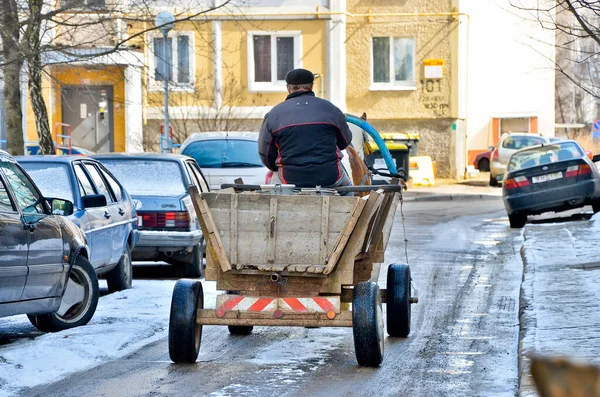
x=163, y=220
x=495, y=155
x=518, y=181
x=576, y=170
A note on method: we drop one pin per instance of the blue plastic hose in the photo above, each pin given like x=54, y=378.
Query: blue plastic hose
x=385, y=153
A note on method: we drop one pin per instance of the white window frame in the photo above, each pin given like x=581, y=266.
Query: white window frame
x=393, y=85
x=273, y=85
x=153, y=84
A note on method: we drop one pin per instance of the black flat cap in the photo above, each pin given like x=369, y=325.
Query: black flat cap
x=299, y=76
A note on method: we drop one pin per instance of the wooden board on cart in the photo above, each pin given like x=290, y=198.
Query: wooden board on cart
x=251, y=234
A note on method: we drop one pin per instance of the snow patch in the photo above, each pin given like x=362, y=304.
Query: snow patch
x=124, y=322
x=302, y=347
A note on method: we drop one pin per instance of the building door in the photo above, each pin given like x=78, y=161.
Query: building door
x=89, y=111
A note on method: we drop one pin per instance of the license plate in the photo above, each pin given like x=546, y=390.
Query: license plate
x=547, y=177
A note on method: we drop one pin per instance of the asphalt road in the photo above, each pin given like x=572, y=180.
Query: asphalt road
x=466, y=264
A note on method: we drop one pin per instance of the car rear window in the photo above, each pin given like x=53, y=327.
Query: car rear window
x=521, y=142
x=223, y=153
x=148, y=177
x=52, y=179
x=545, y=155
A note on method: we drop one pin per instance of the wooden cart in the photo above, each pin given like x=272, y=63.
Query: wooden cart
x=305, y=259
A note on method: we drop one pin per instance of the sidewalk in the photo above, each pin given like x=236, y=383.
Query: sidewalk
x=446, y=189
x=560, y=299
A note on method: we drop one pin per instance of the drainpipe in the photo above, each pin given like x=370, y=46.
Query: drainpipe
x=24, y=104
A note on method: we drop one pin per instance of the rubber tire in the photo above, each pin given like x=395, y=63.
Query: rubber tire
x=185, y=335
x=484, y=165
x=121, y=277
x=493, y=181
x=367, y=324
x=193, y=267
x=517, y=221
x=240, y=329
x=53, y=322
x=596, y=206
x=398, y=300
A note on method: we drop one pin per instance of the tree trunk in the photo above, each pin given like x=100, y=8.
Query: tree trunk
x=12, y=104
x=32, y=42
x=39, y=106
x=9, y=33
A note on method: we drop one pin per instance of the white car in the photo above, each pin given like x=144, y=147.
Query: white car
x=510, y=143
x=226, y=156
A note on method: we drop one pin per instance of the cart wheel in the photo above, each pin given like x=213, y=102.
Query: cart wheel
x=367, y=324
x=398, y=300
x=240, y=329
x=185, y=333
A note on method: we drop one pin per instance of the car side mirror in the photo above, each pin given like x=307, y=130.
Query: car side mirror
x=94, y=200
x=60, y=206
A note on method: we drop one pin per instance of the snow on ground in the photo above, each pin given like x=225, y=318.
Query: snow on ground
x=124, y=322
x=560, y=295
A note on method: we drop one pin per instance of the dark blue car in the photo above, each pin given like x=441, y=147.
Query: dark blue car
x=168, y=225
x=102, y=209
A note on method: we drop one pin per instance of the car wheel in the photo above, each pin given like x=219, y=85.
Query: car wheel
x=493, y=181
x=398, y=300
x=121, y=276
x=194, y=268
x=185, y=334
x=517, y=220
x=484, y=165
x=596, y=206
x=367, y=324
x=78, y=303
x=240, y=329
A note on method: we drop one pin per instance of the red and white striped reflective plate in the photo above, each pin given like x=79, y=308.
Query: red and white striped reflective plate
x=286, y=305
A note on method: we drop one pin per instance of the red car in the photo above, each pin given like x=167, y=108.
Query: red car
x=482, y=161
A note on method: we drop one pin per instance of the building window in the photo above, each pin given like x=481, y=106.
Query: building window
x=393, y=63
x=84, y=4
x=178, y=70
x=270, y=57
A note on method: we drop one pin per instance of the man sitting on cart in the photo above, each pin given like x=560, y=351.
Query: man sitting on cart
x=301, y=138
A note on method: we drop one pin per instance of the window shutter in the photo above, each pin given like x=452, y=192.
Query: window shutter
x=262, y=58
x=381, y=60
x=285, y=56
x=183, y=61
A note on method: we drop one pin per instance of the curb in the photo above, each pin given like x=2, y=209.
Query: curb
x=453, y=197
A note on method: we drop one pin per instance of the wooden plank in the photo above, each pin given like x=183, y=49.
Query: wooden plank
x=324, y=231
x=344, y=236
x=562, y=377
x=359, y=231
x=213, y=236
x=272, y=230
x=209, y=317
x=233, y=231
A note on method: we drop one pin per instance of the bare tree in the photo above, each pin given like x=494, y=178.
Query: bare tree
x=30, y=30
x=577, y=42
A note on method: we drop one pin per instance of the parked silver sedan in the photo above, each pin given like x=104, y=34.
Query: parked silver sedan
x=168, y=227
x=226, y=156
x=510, y=143
x=44, y=267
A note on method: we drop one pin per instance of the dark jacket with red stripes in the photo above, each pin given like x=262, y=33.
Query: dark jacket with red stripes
x=302, y=138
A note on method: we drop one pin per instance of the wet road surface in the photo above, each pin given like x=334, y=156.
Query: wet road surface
x=466, y=263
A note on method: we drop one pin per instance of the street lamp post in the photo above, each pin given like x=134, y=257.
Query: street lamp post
x=165, y=22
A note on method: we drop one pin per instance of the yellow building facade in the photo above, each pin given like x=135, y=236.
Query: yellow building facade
x=418, y=68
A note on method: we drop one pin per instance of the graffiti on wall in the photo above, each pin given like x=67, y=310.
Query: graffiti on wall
x=433, y=99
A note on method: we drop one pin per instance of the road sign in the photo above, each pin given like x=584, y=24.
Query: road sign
x=596, y=129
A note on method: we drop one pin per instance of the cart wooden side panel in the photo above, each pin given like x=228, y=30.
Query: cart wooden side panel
x=313, y=241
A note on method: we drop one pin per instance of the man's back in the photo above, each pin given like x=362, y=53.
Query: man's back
x=302, y=138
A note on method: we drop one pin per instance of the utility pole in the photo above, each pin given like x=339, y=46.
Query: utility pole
x=165, y=22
